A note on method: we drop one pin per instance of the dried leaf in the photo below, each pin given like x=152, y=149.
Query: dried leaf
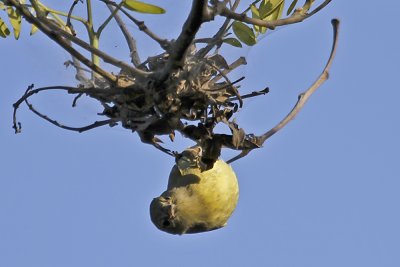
x=219, y=61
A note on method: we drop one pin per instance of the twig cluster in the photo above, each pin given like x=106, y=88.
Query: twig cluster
x=184, y=89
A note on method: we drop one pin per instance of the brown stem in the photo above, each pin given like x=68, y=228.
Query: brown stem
x=271, y=24
x=303, y=97
x=135, y=59
x=47, y=29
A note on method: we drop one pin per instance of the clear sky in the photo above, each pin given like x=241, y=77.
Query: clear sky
x=322, y=192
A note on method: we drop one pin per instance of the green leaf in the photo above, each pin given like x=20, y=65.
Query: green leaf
x=15, y=19
x=291, y=7
x=254, y=11
x=265, y=8
x=233, y=42
x=244, y=33
x=34, y=29
x=256, y=15
x=268, y=7
x=4, y=31
x=270, y=10
x=143, y=7
x=307, y=6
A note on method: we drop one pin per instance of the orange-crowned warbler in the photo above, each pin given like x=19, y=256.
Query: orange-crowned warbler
x=195, y=201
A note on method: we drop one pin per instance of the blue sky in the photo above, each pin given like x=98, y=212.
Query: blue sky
x=323, y=192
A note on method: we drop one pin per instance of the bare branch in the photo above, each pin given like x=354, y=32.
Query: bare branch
x=107, y=58
x=57, y=35
x=217, y=38
x=230, y=84
x=295, y=18
x=46, y=29
x=69, y=24
x=303, y=97
x=164, y=43
x=135, y=59
x=238, y=62
x=96, y=124
x=178, y=50
x=29, y=92
x=252, y=94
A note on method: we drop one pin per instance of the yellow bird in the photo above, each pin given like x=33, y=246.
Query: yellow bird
x=195, y=201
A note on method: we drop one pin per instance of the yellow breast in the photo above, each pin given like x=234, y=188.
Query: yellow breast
x=205, y=198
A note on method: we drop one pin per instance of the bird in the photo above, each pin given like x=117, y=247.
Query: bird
x=196, y=200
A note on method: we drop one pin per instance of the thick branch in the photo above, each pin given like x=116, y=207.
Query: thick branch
x=178, y=50
x=303, y=97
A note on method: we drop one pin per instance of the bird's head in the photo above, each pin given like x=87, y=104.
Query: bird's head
x=163, y=214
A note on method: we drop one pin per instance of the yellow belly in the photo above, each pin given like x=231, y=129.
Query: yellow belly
x=205, y=198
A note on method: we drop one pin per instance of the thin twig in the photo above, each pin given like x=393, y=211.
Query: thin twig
x=107, y=20
x=230, y=84
x=217, y=38
x=226, y=86
x=252, y=94
x=164, y=43
x=111, y=122
x=271, y=24
x=76, y=99
x=47, y=28
x=29, y=92
x=58, y=36
x=69, y=24
x=303, y=97
x=135, y=59
x=238, y=62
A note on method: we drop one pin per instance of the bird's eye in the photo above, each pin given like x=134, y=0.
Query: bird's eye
x=166, y=223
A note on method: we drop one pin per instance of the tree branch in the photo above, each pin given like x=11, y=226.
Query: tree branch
x=180, y=46
x=72, y=90
x=303, y=97
x=142, y=27
x=217, y=38
x=57, y=35
x=135, y=59
x=46, y=29
x=271, y=24
x=111, y=122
